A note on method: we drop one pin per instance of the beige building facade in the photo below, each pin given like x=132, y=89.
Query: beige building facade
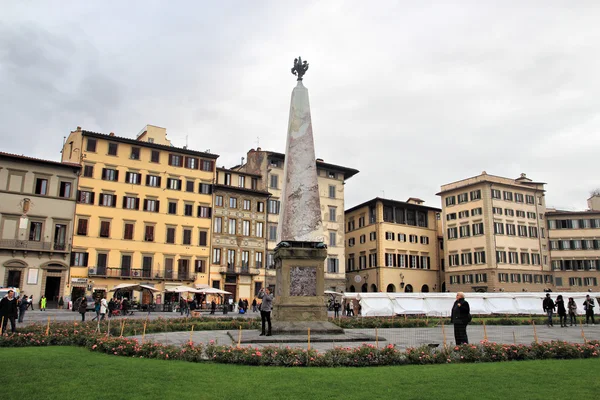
x=238, y=242
x=144, y=212
x=495, y=235
x=575, y=247
x=331, y=179
x=37, y=209
x=393, y=246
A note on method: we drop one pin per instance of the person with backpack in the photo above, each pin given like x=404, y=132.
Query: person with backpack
x=548, y=306
x=588, y=306
x=460, y=317
x=572, y=306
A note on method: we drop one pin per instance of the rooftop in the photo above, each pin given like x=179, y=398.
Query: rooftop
x=522, y=182
x=39, y=160
x=393, y=203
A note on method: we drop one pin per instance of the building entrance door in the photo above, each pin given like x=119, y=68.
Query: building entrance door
x=52, y=291
x=14, y=278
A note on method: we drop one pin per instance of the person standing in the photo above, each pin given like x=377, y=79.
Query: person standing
x=8, y=311
x=254, y=305
x=30, y=301
x=562, y=311
x=336, y=309
x=265, y=309
x=548, y=306
x=43, y=303
x=351, y=308
x=96, y=309
x=572, y=306
x=460, y=317
x=82, y=308
x=23, y=307
x=182, y=304
x=213, y=306
x=111, y=307
x=588, y=306
x=103, y=308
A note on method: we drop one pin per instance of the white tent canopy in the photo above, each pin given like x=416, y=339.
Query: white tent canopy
x=182, y=289
x=440, y=304
x=133, y=286
x=212, y=291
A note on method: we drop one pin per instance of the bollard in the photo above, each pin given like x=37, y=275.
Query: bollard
x=308, y=339
x=122, y=327
x=485, y=337
x=514, y=338
x=239, y=337
x=535, y=337
x=144, y=333
x=1, y=325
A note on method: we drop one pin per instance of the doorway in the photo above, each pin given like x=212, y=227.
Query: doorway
x=14, y=278
x=52, y=290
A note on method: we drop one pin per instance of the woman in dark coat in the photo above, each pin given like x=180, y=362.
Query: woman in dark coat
x=562, y=311
x=82, y=308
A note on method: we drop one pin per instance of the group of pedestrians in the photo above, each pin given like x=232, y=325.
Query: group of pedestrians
x=550, y=306
x=12, y=309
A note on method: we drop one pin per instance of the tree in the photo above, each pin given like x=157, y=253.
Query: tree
x=595, y=192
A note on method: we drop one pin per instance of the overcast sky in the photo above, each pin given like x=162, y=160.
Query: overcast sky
x=413, y=94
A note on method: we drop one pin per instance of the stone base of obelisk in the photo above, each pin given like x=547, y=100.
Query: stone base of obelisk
x=300, y=301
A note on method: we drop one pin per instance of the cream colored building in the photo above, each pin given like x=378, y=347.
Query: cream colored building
x=331, y=180
x=495, y=234
x=393, y=246
x=144, y=212
x=37, y=207
x=239, y=234
x=575, y=247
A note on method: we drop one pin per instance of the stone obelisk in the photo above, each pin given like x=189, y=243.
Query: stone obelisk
x=299, y=257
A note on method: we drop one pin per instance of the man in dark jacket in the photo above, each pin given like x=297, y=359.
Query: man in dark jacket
x=265, y=310
x=549, y=306
x=460, y=317
x=8, y=311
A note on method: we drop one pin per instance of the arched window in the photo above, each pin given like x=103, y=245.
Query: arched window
x=408, y=289
x=424, y=289
x=352, y=289
x=373, y=288
x=443, y=287
x=391, y=288
x=364, y=288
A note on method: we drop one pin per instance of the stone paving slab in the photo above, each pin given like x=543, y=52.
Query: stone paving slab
x=253, y=337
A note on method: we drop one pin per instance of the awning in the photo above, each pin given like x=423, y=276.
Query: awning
x=133, y=286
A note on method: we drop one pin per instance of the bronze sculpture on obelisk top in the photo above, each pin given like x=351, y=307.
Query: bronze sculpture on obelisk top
x=300, y=255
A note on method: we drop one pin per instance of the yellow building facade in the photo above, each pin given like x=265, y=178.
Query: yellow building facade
x=143, y=214
x=393, y=246
x=239, y=234
x=575, y=247
x=495, y=235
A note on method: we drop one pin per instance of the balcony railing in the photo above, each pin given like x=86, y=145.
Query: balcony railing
x=32, y=245
x=141, y=273
x=243, y=270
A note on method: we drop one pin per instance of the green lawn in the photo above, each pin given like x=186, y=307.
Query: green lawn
x=76, y=373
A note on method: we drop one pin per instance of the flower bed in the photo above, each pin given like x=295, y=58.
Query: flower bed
x=363, y=356
x=417, y=322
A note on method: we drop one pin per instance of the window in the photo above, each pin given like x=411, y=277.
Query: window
x=35, y=230
x=79, y=259
x=466, y=259
x=246, y=205
x=206, y=165
x=216, y=256
x=254, y=184
x=373, y=236
x=149, y=233
x=200, y=266
x=246, y=228
x=525, y=258
x=413, y=238
x=452, y=233
x=260, y=206
x=168, y=268
x=533, y=232
x=65, y=190
x=274, y=181
x=531, y=215
x=206, y=188
x=479, y=257
x=501, y=257
x=232, y=226
x=188, y=210
x=390, y=236
x=204, y=212
x=450, y=217
x=508, y=196
x=107, y=200
x=259, y=229
x=361, y=222
x=155, y=156
x=463, y=214
x=513, y=257
x=41, y=186
x=535, y=259
x=218, y=228
x=332, y=214
x=463, y=198
x=91, y=145
x=475, y=195
x=272, y=232
x=467, y=278
x=503, y=277
x=82, y=227
x=172, y=208
x=454, y=279
x=373, y=260
x=175, y=160
x=273, y=207
x=151, y=205
x=135, y=153
x=351, y=242
x=509, y=212
x=332, y=191
x=332, y=265
x=522, y=230
x=131, y=203
x=515, y=278
x=104, y=229
x=187, y=237
x=478, y=229
x=203, y=238
x=88, y=171
x=270, y=261
x=230, y=258
x=402, y=237
x=189, y=186
x=424, y=240
x=153, y=180
x=110, y=174
x=232, y=202
x=450, y=200
x=241, y=181
x=133, y=178
x=496, y=194
x=476, y=211
x=529, y=199
x=170, y=235
x=520, y=214
x=498, y=228
x=258, y=262
x=363, y=238
x=497, y=210
x=480, y=278
x=465, y=231
x=173, y=184
x=191, y=162
x=518, y=197
x=332, y=239
x=128, y=233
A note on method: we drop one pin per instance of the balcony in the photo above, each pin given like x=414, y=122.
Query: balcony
x=15, y=244
x=243, y=270
x=141, y=273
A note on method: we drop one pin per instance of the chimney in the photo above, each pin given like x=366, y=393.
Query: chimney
x=111, y=134
x=594, y=202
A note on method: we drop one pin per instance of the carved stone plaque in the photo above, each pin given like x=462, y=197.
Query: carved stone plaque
x=303, y=281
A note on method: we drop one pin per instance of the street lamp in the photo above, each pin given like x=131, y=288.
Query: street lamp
x=401, y=281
